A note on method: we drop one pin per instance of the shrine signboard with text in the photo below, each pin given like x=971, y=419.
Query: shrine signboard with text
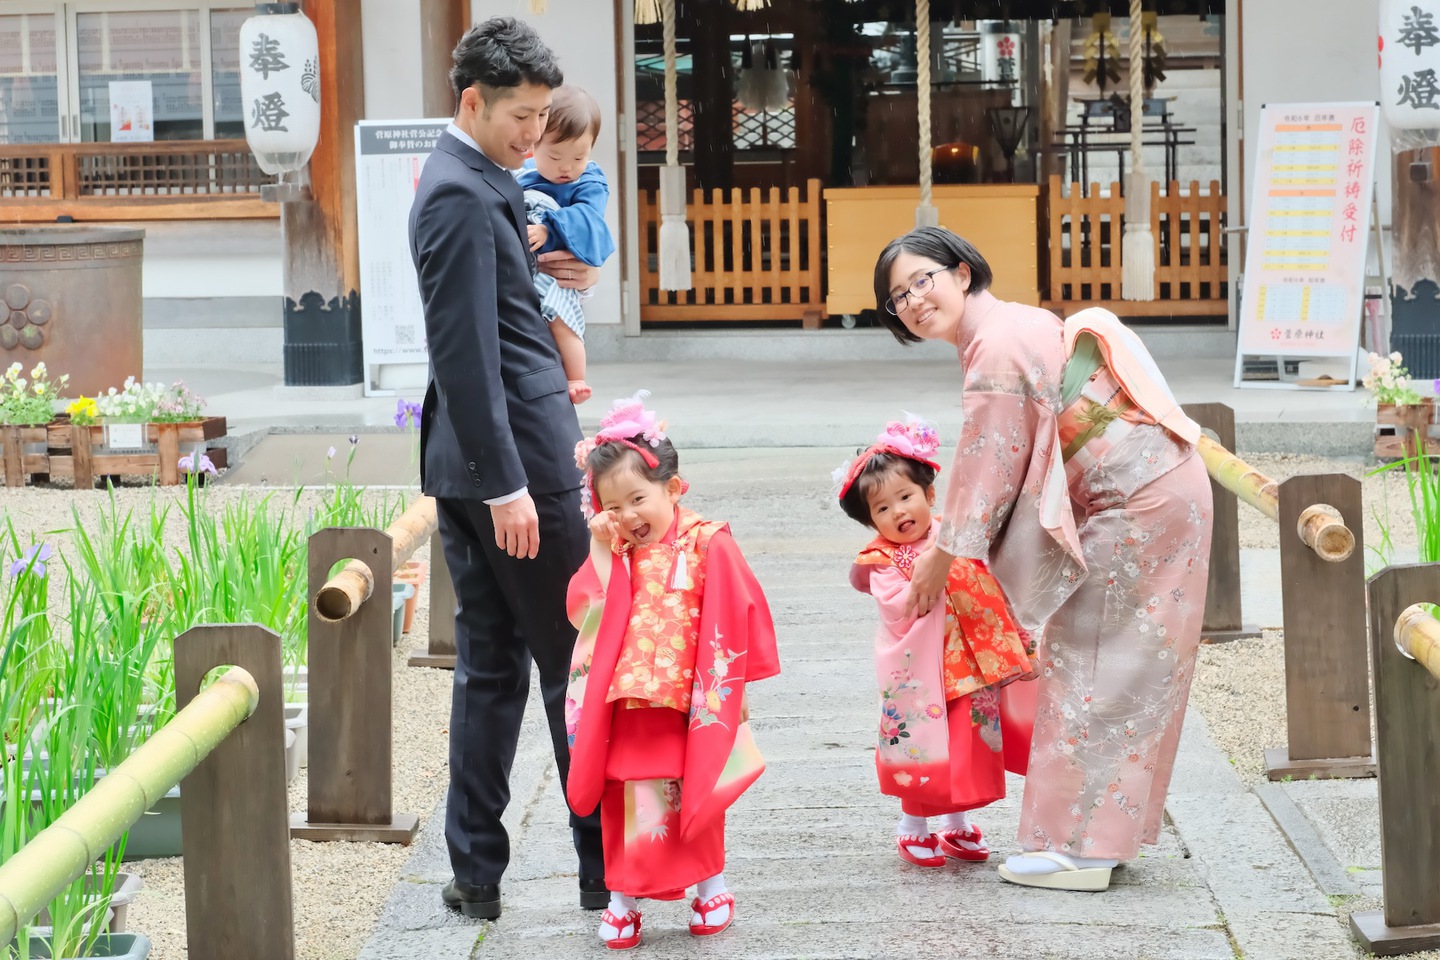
x=1304, y=286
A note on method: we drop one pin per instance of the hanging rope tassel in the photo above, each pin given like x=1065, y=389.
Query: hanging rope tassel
x=926, y=215
x=674, y=240
x=646, y=12
x=537, y=6
x=1137, y=249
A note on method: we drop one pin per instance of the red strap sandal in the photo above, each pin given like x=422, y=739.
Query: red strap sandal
x=936, y=859
x=704, y=928
x=964, y=844
x=631, y=918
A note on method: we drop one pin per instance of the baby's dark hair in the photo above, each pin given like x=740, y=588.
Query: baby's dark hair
x=609, y=457
x=877, y=469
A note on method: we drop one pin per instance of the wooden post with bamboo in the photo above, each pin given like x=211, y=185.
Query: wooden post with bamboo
x=351, y=683
x=1405, y=646
x=1322, y=577
x=222, y=746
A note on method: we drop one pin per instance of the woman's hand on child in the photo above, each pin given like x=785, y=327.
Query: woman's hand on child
x=927, y=581
x=538, y=234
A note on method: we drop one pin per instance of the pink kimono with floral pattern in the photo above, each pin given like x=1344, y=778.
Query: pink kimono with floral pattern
x=1104, y=556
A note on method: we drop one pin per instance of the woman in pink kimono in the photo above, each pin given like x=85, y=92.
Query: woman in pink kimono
x=1076, y=479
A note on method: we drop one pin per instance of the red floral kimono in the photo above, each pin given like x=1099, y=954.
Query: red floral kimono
x=658, y=739
x=950, y=725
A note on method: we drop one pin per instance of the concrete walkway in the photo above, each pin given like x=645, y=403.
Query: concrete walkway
x=811, y=848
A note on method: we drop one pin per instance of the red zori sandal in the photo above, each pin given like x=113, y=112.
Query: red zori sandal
x=631, y=922
x=705, y=928
x=936, y=859
x=964, y=844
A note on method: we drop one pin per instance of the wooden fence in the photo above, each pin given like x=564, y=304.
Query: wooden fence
x=1192, y=271
x=164, y=180
x=759, y=258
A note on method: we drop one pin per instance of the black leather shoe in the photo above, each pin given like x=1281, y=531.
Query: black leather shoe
x=594, y=895
x=478, y=902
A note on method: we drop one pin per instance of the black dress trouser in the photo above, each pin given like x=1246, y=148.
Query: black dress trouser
x=509, y=611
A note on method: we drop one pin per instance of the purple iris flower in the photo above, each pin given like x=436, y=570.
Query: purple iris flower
x=407, y=414
x=190, y=464
x=34, y=559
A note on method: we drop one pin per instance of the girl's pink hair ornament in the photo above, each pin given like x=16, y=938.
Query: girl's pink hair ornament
x=627, y=419
x=915, y=439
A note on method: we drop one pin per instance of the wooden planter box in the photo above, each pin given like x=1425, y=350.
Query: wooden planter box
x=79, y=452
x=1395, y=427
x=21, y=459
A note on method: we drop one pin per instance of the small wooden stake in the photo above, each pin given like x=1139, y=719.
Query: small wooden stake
x=441, y=651
x=1223, y=616
x=14, y=456
x=1407, y=705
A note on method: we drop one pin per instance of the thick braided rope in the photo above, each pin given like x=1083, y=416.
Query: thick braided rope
x=922, y=99
x=1137, y=87
x=672, y=104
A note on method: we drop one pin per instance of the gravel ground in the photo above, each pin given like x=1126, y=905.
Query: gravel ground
x=339, y=888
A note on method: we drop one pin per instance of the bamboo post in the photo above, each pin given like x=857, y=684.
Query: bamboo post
x=350, y=772
x=1224, y=619
x=1407, y=747
x=343, y=593
x=1327, y=699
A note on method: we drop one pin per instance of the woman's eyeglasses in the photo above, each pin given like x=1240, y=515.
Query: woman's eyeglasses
x=923, y=284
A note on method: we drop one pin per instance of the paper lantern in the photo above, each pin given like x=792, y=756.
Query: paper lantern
x=280, y=86
x=1410, y=63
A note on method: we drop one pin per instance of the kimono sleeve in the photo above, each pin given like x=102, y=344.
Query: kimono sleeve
x=735, y=603
x=1004, y=417
x=890, y=589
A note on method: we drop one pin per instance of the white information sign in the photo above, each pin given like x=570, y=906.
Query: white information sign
x=389, y=155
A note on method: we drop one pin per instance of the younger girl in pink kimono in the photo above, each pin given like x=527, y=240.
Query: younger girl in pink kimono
x=947, y=731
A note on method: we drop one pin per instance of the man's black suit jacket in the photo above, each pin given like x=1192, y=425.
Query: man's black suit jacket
x=497, y=414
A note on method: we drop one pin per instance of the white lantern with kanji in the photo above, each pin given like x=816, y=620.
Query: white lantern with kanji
x=1410, y=63
x=280, y=86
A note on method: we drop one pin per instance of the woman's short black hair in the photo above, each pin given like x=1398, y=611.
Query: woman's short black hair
x=933, y=243
x=880, y=466
x=499, y=54
x=607, y=458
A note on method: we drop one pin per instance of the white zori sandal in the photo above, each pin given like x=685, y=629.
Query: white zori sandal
x=1061, y=873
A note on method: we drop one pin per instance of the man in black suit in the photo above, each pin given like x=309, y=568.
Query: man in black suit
x=497, y=441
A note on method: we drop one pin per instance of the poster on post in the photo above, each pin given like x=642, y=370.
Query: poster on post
x=1308, y=234
x=389, y=155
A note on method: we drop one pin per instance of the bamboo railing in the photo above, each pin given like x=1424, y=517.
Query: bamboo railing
x=1320, y=527
x=343, y=593
x=41, y=869
x=1417, y=635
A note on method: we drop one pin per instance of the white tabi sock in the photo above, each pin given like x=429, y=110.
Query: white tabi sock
x=620, y=906
x=704, y=890
x=910, y=826
x=958, y=822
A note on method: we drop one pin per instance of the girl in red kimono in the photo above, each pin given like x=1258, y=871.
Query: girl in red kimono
x=948, y=731
x=672, y=626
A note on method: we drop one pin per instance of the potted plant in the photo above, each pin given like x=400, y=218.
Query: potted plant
x=26, y=406
x=1399, y=405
